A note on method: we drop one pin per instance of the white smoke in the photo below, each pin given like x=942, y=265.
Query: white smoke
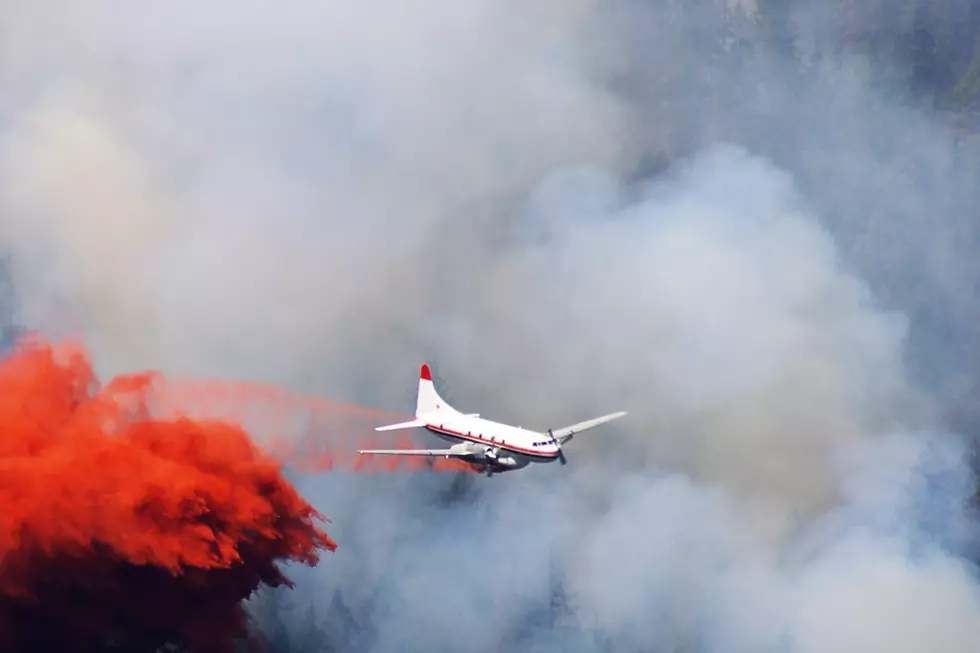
x=323, y=196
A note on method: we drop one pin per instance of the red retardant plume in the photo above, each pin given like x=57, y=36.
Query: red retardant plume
x=311, y=434
x=122, y=532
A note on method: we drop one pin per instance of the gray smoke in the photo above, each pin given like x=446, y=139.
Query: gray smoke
x=324, y=197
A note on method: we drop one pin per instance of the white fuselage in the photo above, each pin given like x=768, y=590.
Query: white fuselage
x=496, y=446
x=515, y=447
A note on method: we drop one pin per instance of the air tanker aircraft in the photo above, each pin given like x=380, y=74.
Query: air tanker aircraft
x=498, y=447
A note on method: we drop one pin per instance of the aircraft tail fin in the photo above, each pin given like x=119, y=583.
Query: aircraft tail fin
x=429, y=402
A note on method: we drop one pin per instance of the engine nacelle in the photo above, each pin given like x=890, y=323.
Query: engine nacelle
x=505, y=462
x=480, y=455
x=461, y=449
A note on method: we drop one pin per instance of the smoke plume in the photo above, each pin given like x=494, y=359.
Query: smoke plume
x=763, y=250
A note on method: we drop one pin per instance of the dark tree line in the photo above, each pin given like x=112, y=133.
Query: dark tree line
x=552, y=623
x=281, y=625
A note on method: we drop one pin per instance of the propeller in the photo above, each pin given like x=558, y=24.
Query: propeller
x=554, y=440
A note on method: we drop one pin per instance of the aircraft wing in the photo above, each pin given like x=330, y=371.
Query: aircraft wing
x=566, y=433
x=415, y=423
x=410, y=452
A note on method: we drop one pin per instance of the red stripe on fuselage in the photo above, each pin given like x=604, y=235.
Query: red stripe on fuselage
x=494, y=443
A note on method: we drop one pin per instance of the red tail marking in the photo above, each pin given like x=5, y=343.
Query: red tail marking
x=424, y=373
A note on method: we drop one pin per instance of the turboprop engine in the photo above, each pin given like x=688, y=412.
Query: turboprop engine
x=491, y=458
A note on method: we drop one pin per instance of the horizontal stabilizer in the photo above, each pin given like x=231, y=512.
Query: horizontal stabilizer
x=415, y=423
x=406, y=452
x=566, y=433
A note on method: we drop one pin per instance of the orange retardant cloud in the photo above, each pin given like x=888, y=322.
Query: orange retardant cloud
x=125, y=529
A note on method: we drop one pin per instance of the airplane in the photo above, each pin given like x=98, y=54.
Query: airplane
x=483, y=443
